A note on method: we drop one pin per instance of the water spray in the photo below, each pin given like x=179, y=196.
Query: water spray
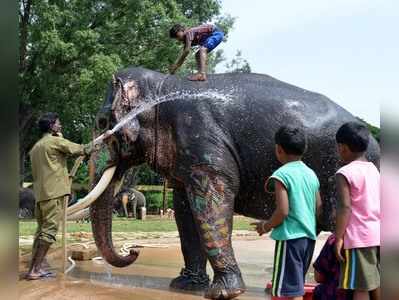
x=148, y=103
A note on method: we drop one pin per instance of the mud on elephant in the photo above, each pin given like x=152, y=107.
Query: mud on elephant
x=217, y=153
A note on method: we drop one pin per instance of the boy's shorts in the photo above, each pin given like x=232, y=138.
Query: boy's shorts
x=361, y=269
x=292, y=259
x=213, y=40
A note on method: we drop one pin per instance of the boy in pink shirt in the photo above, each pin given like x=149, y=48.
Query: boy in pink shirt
x=358, y=214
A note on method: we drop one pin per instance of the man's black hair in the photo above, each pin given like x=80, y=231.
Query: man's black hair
x=355, y=135
x=175, y=29
x=291, y=139
x=46, y=121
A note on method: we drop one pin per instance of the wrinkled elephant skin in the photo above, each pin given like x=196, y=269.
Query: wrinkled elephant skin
x=217, y=156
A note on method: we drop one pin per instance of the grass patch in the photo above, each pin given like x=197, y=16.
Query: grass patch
x=152, y=224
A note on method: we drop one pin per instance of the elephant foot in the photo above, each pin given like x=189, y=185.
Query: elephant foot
x=226, y=286
x=190, y=281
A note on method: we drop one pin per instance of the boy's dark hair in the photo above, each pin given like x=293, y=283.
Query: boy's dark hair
x=291, y=139
x=46, y=121
x=175, y=29
x=355, y=135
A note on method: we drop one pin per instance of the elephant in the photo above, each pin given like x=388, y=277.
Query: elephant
x=27, y=201
x=214, y=143
x=134, y=201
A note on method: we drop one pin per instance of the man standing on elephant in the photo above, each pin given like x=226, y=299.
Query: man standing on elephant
x=206, y=36
x=51, y=183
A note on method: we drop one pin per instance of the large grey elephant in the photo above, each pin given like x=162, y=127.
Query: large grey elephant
x=214, y=144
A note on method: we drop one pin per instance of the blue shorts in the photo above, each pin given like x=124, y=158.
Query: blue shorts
x=213, y=40
x=292, y=259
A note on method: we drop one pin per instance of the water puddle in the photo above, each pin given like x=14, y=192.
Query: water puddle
x=148, y=278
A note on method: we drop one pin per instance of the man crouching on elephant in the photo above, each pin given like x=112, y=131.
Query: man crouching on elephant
x=206, y=36
x=51, y=183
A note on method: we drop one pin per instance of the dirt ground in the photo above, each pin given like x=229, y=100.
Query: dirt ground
x=148, y=278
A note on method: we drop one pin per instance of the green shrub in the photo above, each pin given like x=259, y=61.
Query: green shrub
x=154, y=201
x=146, y=176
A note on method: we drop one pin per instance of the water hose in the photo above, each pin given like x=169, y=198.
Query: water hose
x=73, y=263
x=125, y=249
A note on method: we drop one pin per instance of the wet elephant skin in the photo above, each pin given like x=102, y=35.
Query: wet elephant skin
x=217, y=154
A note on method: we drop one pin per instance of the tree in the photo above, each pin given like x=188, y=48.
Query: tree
x=70, y=49
x=375, y=131
x=238, y=64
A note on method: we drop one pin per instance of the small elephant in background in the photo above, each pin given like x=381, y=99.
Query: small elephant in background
x=129, y=201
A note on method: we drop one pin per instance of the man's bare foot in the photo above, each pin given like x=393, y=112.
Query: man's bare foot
x=198, y=77
x=39, y=275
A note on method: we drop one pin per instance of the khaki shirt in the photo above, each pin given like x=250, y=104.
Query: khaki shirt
x=49, y=166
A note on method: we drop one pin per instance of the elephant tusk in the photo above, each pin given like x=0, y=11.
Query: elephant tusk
x=82, y=214
x=94, y=193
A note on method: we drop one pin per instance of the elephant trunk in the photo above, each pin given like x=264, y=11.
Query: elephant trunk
x=101, y=218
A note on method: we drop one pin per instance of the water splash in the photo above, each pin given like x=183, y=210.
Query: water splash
x=148, y=103
x=108, y=271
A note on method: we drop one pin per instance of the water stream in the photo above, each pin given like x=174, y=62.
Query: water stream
x=148, y=103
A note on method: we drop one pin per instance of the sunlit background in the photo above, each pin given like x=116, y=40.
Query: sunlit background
x=344, y=49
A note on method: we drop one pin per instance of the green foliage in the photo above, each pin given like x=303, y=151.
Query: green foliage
x=82, y=175
x=238, y=64
x=155, y=200
x=70, y=49
x=375, y=131
x=146, y=176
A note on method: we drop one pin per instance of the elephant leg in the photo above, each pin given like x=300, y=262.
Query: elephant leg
x=124, y=204
x=134, y=208
x=193, y=276
x=212, y=204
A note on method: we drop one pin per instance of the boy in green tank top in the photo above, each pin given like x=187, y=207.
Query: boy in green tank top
x=293, y=223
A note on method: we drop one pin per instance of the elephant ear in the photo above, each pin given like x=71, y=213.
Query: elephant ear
x=126, y=98
x=117, y=104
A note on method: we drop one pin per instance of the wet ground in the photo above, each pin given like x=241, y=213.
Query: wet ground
x=149, y=277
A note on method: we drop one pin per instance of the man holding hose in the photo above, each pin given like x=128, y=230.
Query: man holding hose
x=50, y=183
